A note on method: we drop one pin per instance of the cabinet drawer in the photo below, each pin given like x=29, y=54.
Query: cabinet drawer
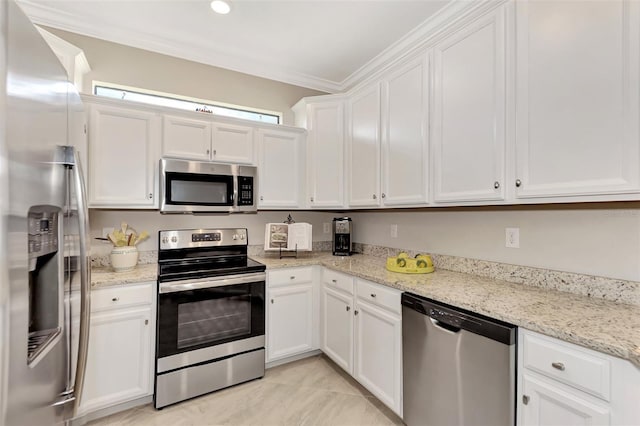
x=377, y=294
x=289, y=276
x=117, y=297
x=568, y=363
x=337, y=280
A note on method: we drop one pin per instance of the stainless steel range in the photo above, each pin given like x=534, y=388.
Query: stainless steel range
x=211, y=313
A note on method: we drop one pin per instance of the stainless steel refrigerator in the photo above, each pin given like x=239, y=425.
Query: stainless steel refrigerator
x=44, y=263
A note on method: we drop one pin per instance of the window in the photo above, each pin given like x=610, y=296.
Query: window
x=189, y=104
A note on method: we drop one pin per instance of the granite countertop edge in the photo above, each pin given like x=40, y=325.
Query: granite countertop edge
x=589, y=322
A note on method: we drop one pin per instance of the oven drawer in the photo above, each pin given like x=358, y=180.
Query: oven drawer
x=290, y=276
x=121, y=296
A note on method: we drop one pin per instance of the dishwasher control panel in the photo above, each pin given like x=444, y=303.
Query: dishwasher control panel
x=445, y=317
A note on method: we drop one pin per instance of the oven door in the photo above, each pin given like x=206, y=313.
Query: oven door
x=206, y=319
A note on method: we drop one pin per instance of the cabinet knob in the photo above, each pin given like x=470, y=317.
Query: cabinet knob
x=146, y=322
x=272, y=301
x=292, y=277
x=115, y=299
x=496, y=184
x=208, y=152
x=334, y=281
x=525, y=399
x=373, y=295
x=375, y=196
x=558, y=366
x=348, y=308
x=518, y=183
x=384, y=195
x=311, y=199
x=261, y=198
x=355, y=312
x=151, y=195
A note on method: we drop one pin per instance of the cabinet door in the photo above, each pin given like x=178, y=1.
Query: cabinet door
x=469, y=112
x=290, y=317
x=577, y=97
x=378, y=367
x=404, y=135
x=123, y=157
x=232, y=143
x=548, y=404
x=280, y=168
x=364, y=148
x=120, y=358
x=337, y=328
x=186, y=138
x=325, y=156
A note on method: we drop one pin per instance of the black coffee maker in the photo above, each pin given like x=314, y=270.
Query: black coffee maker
x=342, y=229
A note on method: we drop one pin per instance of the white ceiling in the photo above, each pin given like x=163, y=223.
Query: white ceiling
x=320, y=44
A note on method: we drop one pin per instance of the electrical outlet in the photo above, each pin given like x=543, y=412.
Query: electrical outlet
x=512, y=237
x=106, y=231
x=394, y=231
x=326, y=228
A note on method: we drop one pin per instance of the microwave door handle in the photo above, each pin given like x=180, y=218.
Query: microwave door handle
x=85, y=278
x=235, y=191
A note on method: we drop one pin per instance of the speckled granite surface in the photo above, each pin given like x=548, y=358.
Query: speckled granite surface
x=105, y=276
x=593, y=322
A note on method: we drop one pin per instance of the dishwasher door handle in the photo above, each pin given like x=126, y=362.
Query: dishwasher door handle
x=444, y=326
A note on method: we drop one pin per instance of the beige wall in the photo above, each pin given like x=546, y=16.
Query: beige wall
x=153, y=221
x=594, y=239
x=116, y=63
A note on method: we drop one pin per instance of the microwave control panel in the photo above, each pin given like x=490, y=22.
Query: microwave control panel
x=245, y=191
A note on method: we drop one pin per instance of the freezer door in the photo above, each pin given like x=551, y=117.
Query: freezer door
x=38, y=374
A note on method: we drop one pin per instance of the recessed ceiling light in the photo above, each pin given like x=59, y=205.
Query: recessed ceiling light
x=220, y=6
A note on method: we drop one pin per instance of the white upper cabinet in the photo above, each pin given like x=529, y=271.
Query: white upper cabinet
x=196, y=139
x=123, y=157
x=186, y=138
x=405, y=124
x=281, y=168
x=577, y=98
x=364, y=148
x=468, y=132
x=325, y=152
x=232, y=143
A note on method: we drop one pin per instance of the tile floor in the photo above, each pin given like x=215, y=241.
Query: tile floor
x=312, y=391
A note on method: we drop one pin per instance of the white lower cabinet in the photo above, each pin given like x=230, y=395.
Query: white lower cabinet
x=564, y=384
x=362, y=333
x=291, y=313
x=120, y=359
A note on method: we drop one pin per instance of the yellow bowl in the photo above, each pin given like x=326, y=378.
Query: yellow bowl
x=421, y=264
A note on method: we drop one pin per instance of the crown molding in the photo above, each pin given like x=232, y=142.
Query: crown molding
x=417, y=39
x=192, y=49
x=178, y=46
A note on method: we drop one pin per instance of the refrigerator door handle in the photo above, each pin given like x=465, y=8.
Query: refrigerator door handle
x=85, y=279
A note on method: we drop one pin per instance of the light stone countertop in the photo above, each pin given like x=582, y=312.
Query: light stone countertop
x=602, y=325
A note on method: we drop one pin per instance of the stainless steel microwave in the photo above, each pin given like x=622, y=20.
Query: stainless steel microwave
x=205, y=187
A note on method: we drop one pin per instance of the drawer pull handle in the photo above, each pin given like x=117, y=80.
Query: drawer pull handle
x=115, y=299
x=272, y=301
x=373, y=295
x=334, y=281
x=525, y=399
x=292, y=277
x=558, y=366
x=348, y=308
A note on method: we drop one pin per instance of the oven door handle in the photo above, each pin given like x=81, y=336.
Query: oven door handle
x=187, y=285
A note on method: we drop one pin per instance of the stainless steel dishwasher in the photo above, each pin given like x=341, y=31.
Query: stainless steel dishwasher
x=459, y=368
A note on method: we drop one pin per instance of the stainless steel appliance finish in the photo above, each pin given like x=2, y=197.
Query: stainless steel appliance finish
x=191, y=382
x=211, y=313
x=342, y=232
x=459, y=368
x=204, y=187
x=44, y=266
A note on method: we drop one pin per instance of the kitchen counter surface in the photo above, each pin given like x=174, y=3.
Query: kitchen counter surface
x=602, y=325
x=605, y=326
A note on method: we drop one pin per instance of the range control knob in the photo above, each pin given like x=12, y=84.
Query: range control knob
x=235, y=236
x=174, y=239
x=243, y=236
x=165, y=240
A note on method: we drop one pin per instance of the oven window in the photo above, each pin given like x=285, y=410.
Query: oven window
x=213, y=320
